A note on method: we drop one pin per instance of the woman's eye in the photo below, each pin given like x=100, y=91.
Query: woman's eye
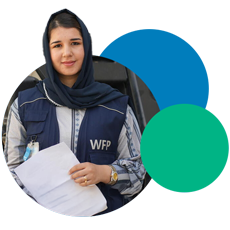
x=75, y=43
x=57, y=46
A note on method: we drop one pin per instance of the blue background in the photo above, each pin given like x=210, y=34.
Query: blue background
x=181, y=51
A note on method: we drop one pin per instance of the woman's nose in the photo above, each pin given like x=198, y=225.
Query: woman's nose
x=67, y=51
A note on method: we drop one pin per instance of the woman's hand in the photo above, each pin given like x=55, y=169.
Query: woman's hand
x=91, y=172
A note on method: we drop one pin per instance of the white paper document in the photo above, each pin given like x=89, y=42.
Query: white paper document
x=46, y=176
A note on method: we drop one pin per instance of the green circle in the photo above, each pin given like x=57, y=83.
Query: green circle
x=184, y=148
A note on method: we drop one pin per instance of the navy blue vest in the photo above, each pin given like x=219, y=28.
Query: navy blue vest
x=98, y=134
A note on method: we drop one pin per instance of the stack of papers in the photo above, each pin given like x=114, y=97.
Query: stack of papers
x=46, y=176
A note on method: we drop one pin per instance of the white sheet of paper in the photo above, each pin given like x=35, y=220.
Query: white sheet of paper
x=46, y=176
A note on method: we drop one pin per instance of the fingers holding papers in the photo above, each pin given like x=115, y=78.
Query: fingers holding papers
x=83, y=181
x=88, y=173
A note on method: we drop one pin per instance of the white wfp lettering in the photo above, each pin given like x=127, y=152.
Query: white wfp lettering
x=108, y=144
x=95, y=143
x=103, y=144
x=100, y=144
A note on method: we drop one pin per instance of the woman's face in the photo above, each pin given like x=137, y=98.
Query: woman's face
x=67, y=51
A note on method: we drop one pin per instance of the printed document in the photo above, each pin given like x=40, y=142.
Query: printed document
x=46, y=176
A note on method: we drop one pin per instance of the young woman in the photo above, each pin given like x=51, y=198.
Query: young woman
x=92, y=118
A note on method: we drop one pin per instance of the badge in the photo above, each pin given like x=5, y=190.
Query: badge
x=31, y=149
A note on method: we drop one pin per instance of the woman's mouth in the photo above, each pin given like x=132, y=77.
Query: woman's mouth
x=68, y=63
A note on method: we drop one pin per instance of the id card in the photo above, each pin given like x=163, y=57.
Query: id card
x=31, y=149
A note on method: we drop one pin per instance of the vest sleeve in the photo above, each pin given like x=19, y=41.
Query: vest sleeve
x=15, y=144
x=130, y=169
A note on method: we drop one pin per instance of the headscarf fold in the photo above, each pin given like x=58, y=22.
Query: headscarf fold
x=85, y=92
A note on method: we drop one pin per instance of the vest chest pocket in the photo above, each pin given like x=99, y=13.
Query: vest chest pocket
x=102, y=158
x=35, y=122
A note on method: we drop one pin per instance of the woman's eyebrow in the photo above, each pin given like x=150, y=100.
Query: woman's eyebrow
x=75, y=39
x=55, y=42
x=72, y=39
